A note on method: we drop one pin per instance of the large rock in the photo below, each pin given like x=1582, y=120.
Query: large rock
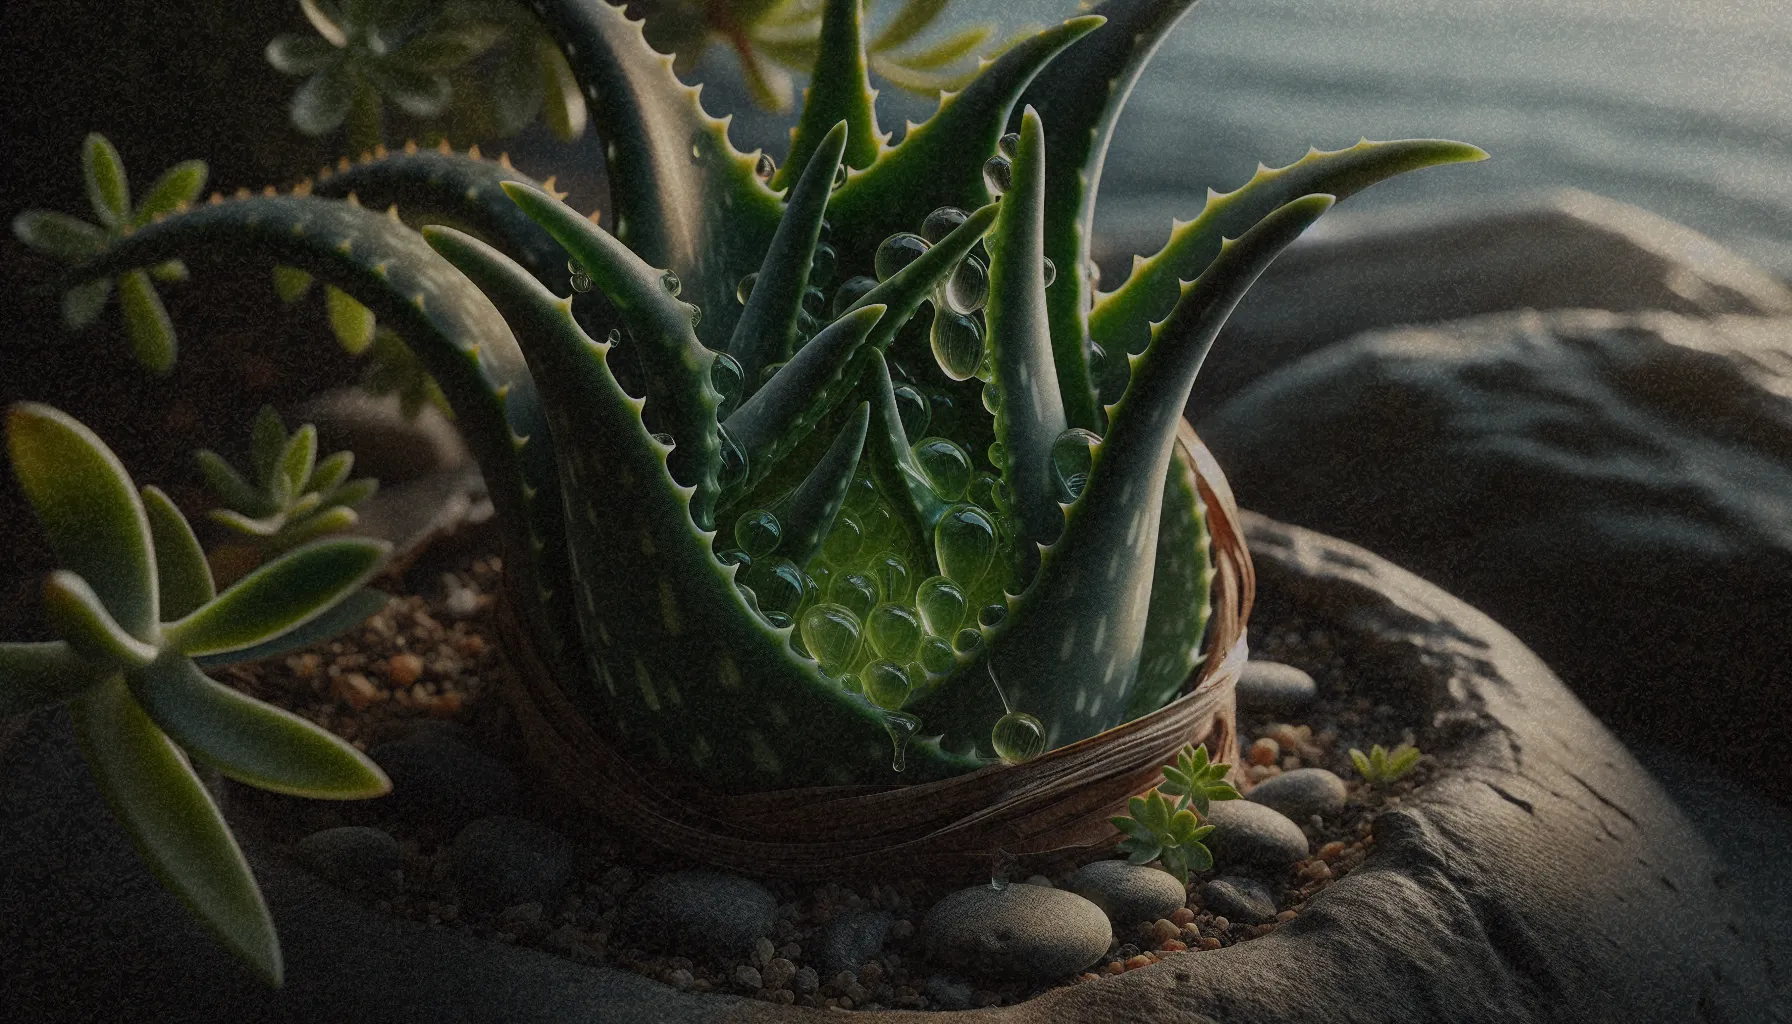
x=1565, y=250
x=1616, y=488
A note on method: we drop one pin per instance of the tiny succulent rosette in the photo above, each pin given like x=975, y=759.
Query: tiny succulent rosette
x=1381, y=766
x=73, y=240
x=1169, y=830
x=138, y=620
x=291, y=495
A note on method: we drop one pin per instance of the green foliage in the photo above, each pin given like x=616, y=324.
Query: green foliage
x=1381, y=766
x=824, y=464
x=73, y=240
x=1171, y=831
x=134, y=605
x=291, y=496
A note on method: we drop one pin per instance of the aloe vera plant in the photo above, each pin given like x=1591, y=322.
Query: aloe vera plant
x=138, y=621
x=823, y=472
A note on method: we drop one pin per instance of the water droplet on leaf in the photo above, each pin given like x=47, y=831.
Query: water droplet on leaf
x=941, y=604
x=991, y=615
x=894, y=630
x=726, y=376
x=758, y=532
x=957, y=343
x=967, y=291
x=914, y=410
x=937, y=657
x=1017, y=738
x=884, y=684
x=733, y=471
x=942, y=222
x=839, y=176
x=823, y=264
x=670, y=282
x=779, y=584
x=1009, y=145
x=967, y=641
x=743, y=290
x=665, y=439
x=945, y=464
x=1073, y=455
x=892, y=574
x=1050, y=270
x=831, y=633
x=851, y=291
x=964, y=543
x=765, y=167
x=857, y=592
x=998, y=175
x=898, y=251
x=844, y=539
x=900, y=725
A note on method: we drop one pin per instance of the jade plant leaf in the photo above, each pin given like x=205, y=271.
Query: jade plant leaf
x=277, y=597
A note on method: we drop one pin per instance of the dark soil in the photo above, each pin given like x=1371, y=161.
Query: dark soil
x=433, y=656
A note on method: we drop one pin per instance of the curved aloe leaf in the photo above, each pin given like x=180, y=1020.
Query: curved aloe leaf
x=250, y=741
x=277, y=597
x=840, y=92
x=918, y=282
x=183, y=577
x=174, y=824
x=1122, y=319
x=89, y=510
x=1181, y=594
x=809, y=512
x=35, y=675
x=891, y=459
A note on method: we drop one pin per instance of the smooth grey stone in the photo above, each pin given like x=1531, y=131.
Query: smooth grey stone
x=705, y=909
x=949, y=993
x=1250, y=833
x=501, y=862
x=1301, y=793
x=440, y=782
x=351, y=852
x=850, y=939
x=1128, y=893
x=1020, y=931
x=1239, y=899
x=1611, y=487
x=1271, y=687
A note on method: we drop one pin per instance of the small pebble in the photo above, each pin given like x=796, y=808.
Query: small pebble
x=1173, y=946
x=763, y=952
x=679, y=978
x=1331, y=850
x=805, y=981
x=1264, y=751
x=501, y=862
x=1243, y=898
x=404, y=669
x=778, y=973
x=949, y=993
x=1023, y=930
x=746, y=976
x=345, y=854
x=1302, y=793
x=1163, y=929
x=1182, y=916
x=701, y=909
x=1269, y=687
x=1129, y=893
x=1250, y=833
x=850, y=939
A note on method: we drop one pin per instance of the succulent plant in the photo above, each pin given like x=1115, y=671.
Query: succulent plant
x=138, y=622
x=1170, y=831
x=765, y=521
x=73, y=240
x=1381, y=766
x=294, y=496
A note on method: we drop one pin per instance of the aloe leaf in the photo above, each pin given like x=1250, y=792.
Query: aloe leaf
x=35, y=675
x=277, y=597
x=82, y=304
x=891, y=460
x=563, y=106
x=918, y=282
x=909, y=22
x=178, y=186
x=839, y=91
x=146, y=322
x=808, y=514
x=79, y=618
x=1079, y=96
x=781, y=414
x=1122, y=319
x=57, y=234
x=339, y=619
x=103, y=173
x=1181, y=595
x=928, y=168
x=684, y=197
x=352, y=323
x=1030, y=414
x=252, y=742
x=89, y=509
x=174, y=825
x=457, y=188
x=679, y=665
x=183, y=579
x=763, y=333
x=677, y=365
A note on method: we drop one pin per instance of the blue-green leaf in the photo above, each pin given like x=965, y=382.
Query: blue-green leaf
x=58, y=234
x=103, y=173
x=178, y=186
x=277, y=597
x=79, y=618
x=35, y=675
x=183, y=578
x=339, y=619
x=146, y=321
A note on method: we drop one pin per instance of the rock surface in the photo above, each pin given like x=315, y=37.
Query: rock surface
x=1301, y=793
x=1273, y=688
x=1248, y=833
x=850, y=939
x=1239, y=899
x=1616, y=489
x=1018, y=931
x=439, y=781
x=502, y=862
x=702, y=908
x=1566, y=250
x=350, y=853
x=1128, y=893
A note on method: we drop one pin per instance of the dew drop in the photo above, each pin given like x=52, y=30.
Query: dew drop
x=743, y=290
x=831, y=633
x=696, y=314
x=892, y=576
x=851, y=291
x=991, y=615
x=844, y=539
x=857, y=592
x=942, y=222
x=733, y=471
x=879, y=524
x=839, y=176
x=967, y=291
x=898, y=251
x=982, y=491
x=581, y=281
x=957, y=343
x=735, y=556
x=945, y=464
x=941, y=604
x=1073, y=455
x=861, y=494
x=998, y=456
x=901, y=726
x=726, y=376
x=670, y=282
x=758, y=532
x=614, y=337
x=1009, y=145
x=914, y=410
x=998, y=175
x=968, y=641
x=1050, y=270
x=767, y=372
x=765, y=167
x=815, y=302
x=945, y=413
x=823, y=264
x=779, y=584
x=1017, y=738
x=665, y=439
x=964, y=542
x=775, y=619
x=1111, y=372
x=884, y=684
x=992, y=398
x=937, y=657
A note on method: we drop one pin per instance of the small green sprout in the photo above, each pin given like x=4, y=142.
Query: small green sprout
x=73, y=240
x=139, y=618
x=296, y=497
x=1380, y=767
x=1171, y=833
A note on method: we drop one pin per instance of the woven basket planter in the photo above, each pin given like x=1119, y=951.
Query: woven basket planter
x=1048, y=810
